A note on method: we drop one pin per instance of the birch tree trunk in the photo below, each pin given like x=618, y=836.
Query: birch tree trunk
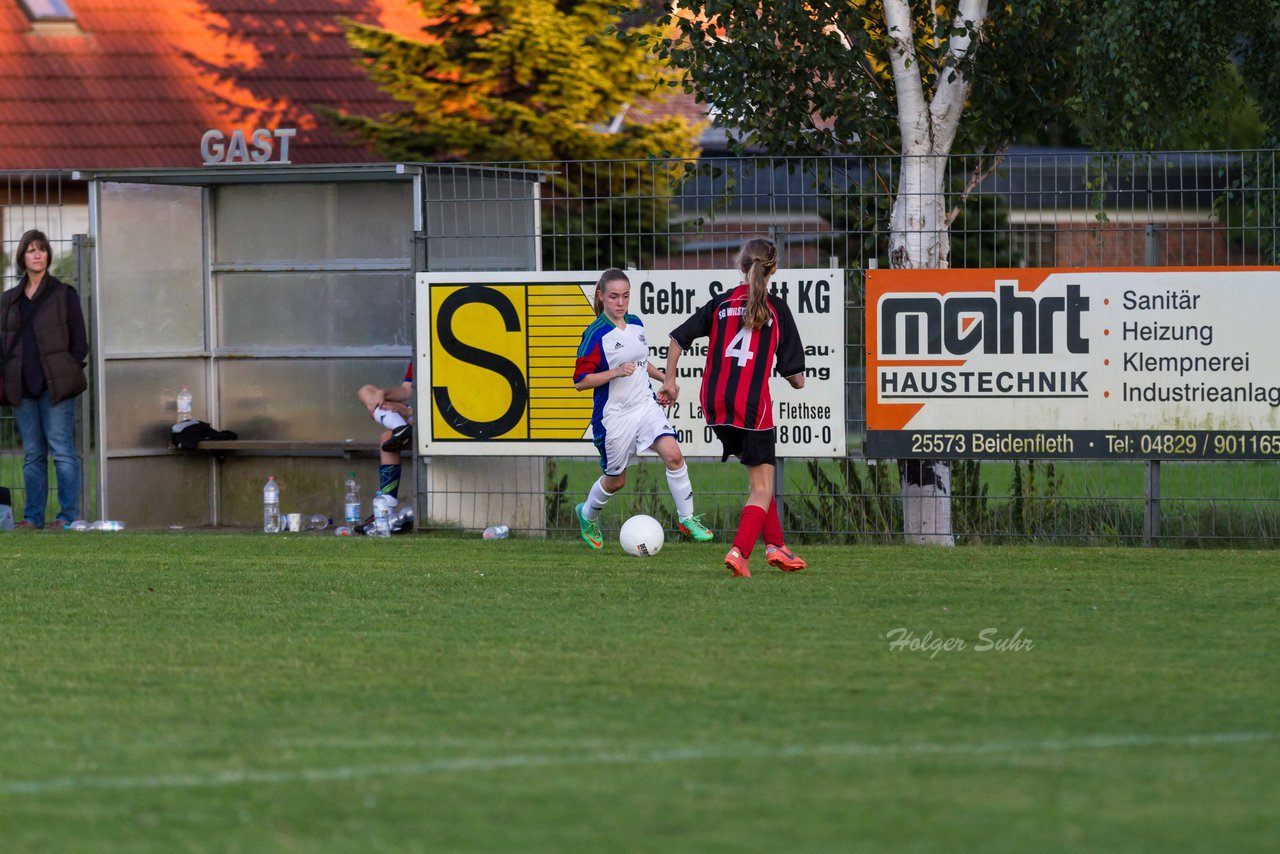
x=919, y=233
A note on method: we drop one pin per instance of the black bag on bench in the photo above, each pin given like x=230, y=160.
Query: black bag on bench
x=187, y=435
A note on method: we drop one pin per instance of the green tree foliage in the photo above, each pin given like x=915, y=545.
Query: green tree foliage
x=802, y=78
x=813, y=77
x=1147, y=70
x=535, y=81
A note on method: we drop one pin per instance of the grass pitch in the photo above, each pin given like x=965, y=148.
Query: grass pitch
x=237, y=692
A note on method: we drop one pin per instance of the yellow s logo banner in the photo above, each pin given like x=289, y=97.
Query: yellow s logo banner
x=502, y=362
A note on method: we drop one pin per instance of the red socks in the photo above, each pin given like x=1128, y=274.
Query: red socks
x=753, y=519
x=772, y=525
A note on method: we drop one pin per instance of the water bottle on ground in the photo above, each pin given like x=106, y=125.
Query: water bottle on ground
x=184, y=404
x=351, y=502
x=299, y=522
x=271, y=506
x=496, y=532
x=103, y=525
x=381, y=526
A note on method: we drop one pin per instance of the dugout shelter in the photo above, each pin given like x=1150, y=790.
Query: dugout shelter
x=273, y=293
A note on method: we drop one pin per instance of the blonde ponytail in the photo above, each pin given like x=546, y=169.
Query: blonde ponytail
x=758, y=261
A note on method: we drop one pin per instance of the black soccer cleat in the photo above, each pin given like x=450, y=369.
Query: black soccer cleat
x=400, y=439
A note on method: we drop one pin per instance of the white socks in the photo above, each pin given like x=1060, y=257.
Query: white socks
x=681, y=491
x=387, y=418
x=596, y=499
x=677, y=481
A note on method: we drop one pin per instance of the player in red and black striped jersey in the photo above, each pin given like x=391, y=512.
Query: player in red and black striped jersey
x=752, y=333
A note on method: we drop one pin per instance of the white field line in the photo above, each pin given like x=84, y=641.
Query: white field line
x=851, y=750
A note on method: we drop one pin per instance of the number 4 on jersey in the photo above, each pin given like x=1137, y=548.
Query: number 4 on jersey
x=738, y=347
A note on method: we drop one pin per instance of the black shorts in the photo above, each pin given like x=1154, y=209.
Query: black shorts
x=751, y=447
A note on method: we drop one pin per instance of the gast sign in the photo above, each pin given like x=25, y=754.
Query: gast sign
x=260, y=146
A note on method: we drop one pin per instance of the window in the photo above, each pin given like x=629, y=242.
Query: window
x=47, y=10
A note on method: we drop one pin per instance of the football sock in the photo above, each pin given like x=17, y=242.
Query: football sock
x=389, y=480
x=597, y=498
x=387, y=418
x=749, y=529
x=772, y=525
x=681, y=491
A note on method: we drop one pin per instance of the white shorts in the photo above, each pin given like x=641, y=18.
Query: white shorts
x=628, y=433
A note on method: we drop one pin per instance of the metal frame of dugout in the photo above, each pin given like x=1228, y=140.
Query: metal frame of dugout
x=274, y=293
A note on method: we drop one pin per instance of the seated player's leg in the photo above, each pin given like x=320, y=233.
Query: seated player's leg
x=394, y=416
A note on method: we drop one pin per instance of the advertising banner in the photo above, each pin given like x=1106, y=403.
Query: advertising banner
x=1153, y=363
x=496, y=355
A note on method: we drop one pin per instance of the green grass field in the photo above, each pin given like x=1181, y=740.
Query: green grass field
x=236, y=692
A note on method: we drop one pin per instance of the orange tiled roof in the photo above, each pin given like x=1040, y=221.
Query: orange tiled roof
x=139, y=81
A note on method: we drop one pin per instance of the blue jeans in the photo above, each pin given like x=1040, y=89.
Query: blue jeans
x=47, y=428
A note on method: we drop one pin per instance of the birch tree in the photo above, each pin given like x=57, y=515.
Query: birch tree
x=919, y=234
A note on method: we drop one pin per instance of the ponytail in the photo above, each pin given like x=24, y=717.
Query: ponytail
x=610, y=275
x=758, y=261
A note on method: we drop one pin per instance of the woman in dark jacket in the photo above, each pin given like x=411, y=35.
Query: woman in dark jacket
x=45, y=344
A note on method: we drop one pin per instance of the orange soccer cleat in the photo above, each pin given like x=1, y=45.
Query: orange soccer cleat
x=784, y=559
x=737, y=563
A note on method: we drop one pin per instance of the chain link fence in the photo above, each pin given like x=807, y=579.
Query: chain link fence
x=1024, y=209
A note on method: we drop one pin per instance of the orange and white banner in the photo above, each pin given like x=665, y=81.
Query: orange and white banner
x=1148, y=363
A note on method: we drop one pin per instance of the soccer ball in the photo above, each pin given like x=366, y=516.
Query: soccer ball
x=641, y=536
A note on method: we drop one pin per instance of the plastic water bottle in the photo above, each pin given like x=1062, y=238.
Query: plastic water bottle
x=103, y=525
x=496, y=532
x=315, y=522
x=351, y=503
x=184, y=404
x=271, y=506
x=78, y=525
x=381, y=526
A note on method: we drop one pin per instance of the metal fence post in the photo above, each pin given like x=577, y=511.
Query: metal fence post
x=1151, y=504
x=86, y=420
x=1151, y=489
x=778, y=236
x=1151, y=244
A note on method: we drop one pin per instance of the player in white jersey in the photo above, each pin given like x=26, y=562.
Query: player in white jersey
x=613, y=361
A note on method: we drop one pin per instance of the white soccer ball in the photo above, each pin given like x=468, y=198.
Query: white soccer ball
x=642, y=536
